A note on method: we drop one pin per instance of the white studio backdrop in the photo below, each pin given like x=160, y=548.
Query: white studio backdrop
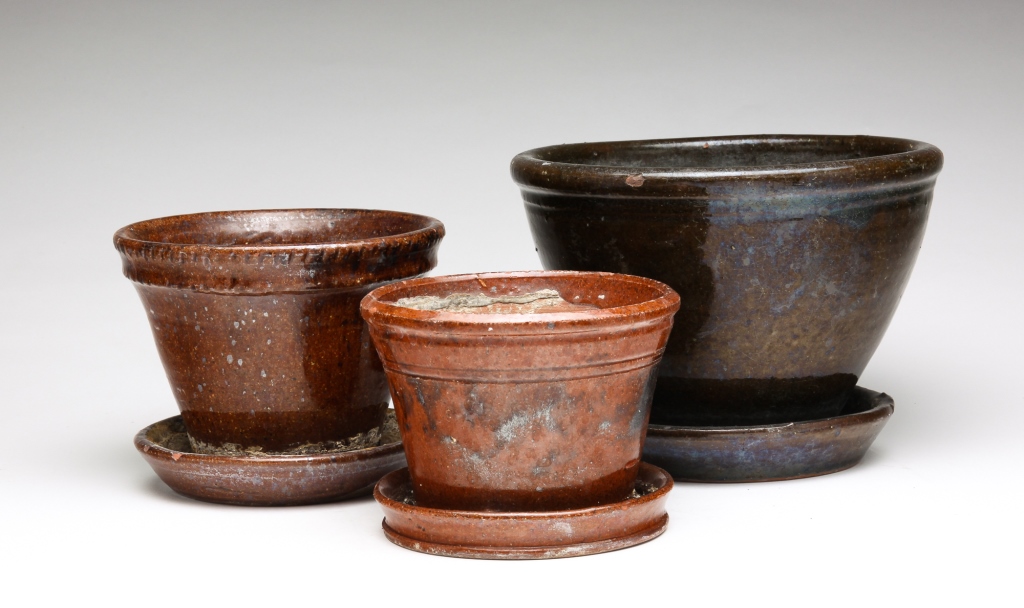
x=116, y=112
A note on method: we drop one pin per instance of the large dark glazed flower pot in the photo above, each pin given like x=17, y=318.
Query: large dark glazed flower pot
x=790, y=254
x=256, y=319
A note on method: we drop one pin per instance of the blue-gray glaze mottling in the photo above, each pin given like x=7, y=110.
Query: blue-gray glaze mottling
x=790, y=254
x=771, y=452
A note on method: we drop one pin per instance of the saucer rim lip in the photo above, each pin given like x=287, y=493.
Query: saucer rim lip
x=499, y=516
x=882, y=408
x=142, y=442
x=532, y=552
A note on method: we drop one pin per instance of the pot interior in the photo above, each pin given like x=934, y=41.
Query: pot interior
x=284, y=227
x=724, y=152
x=580, y=291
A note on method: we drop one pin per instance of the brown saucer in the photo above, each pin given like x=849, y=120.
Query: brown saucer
x=262, y=480
x=524, y=535
x=771, y=452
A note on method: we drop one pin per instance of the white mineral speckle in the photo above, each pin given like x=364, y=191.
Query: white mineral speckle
x=236, y=324
x=263, y=373
x=239, y=363
x=230, y=359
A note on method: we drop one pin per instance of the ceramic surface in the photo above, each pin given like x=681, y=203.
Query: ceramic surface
x=265, y=480
x=790, y=254
x=772, y=452
x=256, y=317
x=525, y=535
x=505, y=412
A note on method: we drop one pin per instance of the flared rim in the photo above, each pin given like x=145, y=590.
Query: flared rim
x=379, y=306
x=686, y=167
x=132, y=236
x=278, y=250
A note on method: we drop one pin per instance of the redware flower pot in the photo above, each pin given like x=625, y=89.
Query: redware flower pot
x=256, y=319
x=790, y=253
x=510, y=403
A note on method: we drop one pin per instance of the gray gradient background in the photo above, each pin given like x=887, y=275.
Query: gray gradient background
x=112, y=113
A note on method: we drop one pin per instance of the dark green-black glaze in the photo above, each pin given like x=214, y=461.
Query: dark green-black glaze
x=790, y=254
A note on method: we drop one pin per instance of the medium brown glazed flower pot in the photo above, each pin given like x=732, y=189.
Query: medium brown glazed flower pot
x=256, y=319
x=790, y=254
x=512, y=400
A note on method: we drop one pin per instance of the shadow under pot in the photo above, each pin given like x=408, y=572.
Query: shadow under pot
x=522, y=391
x=790, y=254
x=256, y=319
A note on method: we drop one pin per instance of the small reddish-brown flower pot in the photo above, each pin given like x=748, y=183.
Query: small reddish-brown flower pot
x=256, y=318
x=501, y=410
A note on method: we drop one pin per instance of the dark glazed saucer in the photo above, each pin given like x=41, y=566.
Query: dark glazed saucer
x=263, y=480
x=524, y=534
x=771, y=452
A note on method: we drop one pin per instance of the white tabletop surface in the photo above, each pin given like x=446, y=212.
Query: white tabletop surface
x=117, y=112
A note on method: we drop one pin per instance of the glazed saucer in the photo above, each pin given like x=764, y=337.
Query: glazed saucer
x=263, y=480
x=771, y=452
x=524, y=535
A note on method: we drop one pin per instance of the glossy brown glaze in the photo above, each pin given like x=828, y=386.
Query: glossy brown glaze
x=525, y=535
x=790, y=254
x=530, y=412
x=263, y=481
x=256, y=317
x=771, y=452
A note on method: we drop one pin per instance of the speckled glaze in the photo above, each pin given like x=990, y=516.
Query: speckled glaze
x=771, y=452
x=525, y=535
x=523, y=412
x=256, y=317
x=264, y=481
x=790, y=254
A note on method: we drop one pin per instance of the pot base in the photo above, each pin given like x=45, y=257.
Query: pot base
x=279, y=480
x=775, y=452
x=524, y=535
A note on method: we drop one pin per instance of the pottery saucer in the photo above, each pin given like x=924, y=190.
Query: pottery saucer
x=524, y=535
x=262, y=480
x=771, y=452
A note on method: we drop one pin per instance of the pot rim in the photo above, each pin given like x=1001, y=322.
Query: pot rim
x=377, y=310
x=328, y=263
x=890, y=162
x=123, y=237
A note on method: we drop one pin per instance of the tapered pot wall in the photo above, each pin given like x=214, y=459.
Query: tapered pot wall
x=274, y=371
x=256, y=318
x=509, y=412
x=790, y=254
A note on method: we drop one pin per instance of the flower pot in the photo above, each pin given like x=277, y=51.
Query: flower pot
x=511, y=403
x=256, y=319
x=790, y=254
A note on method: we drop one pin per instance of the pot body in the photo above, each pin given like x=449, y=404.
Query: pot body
x=790, y=254
x=256, y=318
x=533, y=412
